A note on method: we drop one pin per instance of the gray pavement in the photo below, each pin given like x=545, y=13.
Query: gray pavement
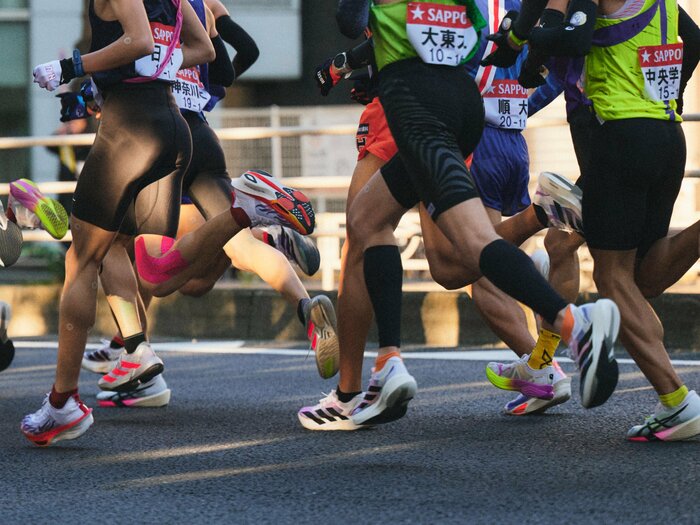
x=229, y=449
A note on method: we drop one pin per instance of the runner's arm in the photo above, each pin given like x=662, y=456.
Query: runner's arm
x=247, y=51
x=352, y=17
x=136, y=42
x=196, y=45
x=545, y=94
x=220, y=69
x=690, y=33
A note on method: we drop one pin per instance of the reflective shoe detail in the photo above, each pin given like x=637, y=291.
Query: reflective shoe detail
x=560, y=200
x=103, y=359
x=50, y=212
x=267, y=201
x=5, y=316
x=592, y=347
x=330, y=414
x=132, y=369
x=387, y=396
x=520, y=377
x=670, y=424
x=154, y=393
x=10, y=240
x=49, y=425
x=297, y=248
x=523, y=405
x=321, y=331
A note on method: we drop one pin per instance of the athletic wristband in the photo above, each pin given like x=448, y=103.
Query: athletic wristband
x=520, y=42
x=67, y=70
x=78, y=63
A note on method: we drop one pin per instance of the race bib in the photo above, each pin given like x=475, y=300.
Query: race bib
x=189, y=91
x=661, y=67
x=505, y=103
x=148, y=66
x=440, y=34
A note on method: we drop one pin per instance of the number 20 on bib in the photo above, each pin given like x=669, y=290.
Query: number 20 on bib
x=440, y=34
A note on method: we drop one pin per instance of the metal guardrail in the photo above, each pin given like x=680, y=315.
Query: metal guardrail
x=331, y=226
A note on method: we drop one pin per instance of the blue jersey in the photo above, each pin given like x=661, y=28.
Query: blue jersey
x=499, y=85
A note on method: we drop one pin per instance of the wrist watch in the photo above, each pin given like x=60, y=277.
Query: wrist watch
x=340, y=62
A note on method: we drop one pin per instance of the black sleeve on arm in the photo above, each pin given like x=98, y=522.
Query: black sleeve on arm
x=530, y=13
x=247, y=51
x=352, y=17
x=221, y=69
x=690, y=33
x=360, y=56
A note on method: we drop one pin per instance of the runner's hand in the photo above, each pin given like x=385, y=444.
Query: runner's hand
x=531, y=75
x=360, y=91
x=48, y=75
x=506, y=53
x=326, y=77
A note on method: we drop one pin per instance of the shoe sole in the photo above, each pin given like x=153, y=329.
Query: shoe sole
x=158, y=400
x=327, y=348
x=135, y=381
x=597, y=387
x=390, y=406
x=98, y=367
x=560, y=189
x=518, y=385
x=341, y=425
x=11, y=241
x=305, y=253
x=50, y=212
x=5, y=316
x=562, y=393
x=73, y=431
x=298, y=214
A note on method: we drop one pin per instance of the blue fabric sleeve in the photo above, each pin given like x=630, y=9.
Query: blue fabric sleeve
x=352, y=17
x=545, y=94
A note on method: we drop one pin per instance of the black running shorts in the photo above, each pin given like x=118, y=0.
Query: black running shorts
x=142, y=139
x=436, y=116
x=636, y=170
x=207, y=182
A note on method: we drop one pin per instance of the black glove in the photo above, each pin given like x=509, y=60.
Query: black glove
x=574, y=37
x=532, y=74
x=505, y=55
x=361, y=91
x=325, y=79
x=72, y=106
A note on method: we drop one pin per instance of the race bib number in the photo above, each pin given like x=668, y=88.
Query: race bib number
x=505, y=103
x=148, y=66
x=440, y=34
x=661, y=67
x=189, y=91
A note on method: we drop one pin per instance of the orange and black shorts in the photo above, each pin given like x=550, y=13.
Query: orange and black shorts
x=373, y=135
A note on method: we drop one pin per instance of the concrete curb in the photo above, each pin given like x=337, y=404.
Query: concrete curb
x=445, y=319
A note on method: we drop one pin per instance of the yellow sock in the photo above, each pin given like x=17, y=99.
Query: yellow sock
x=543, y=353
x=675, y=398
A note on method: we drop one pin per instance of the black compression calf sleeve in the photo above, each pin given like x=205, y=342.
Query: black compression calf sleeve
x=574, y=37
x=384, y=278
x=514, y=272
x=247, y=51
x=530, y=12
x=221, y=69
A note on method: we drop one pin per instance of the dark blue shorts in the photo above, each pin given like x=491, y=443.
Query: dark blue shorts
x=501, y=170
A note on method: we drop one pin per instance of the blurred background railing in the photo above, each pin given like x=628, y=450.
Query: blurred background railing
x=313, y=149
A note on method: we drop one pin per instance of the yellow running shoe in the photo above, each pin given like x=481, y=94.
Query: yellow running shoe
x=49, y=211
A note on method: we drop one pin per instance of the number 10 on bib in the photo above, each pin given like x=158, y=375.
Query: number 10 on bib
x=440, y=34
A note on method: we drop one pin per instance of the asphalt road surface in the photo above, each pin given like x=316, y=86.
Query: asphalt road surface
x=229, y=449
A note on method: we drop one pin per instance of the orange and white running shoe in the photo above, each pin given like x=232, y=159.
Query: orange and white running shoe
x=49, y=425
x=322, y=333
x=132, y=369
x=267, y=201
